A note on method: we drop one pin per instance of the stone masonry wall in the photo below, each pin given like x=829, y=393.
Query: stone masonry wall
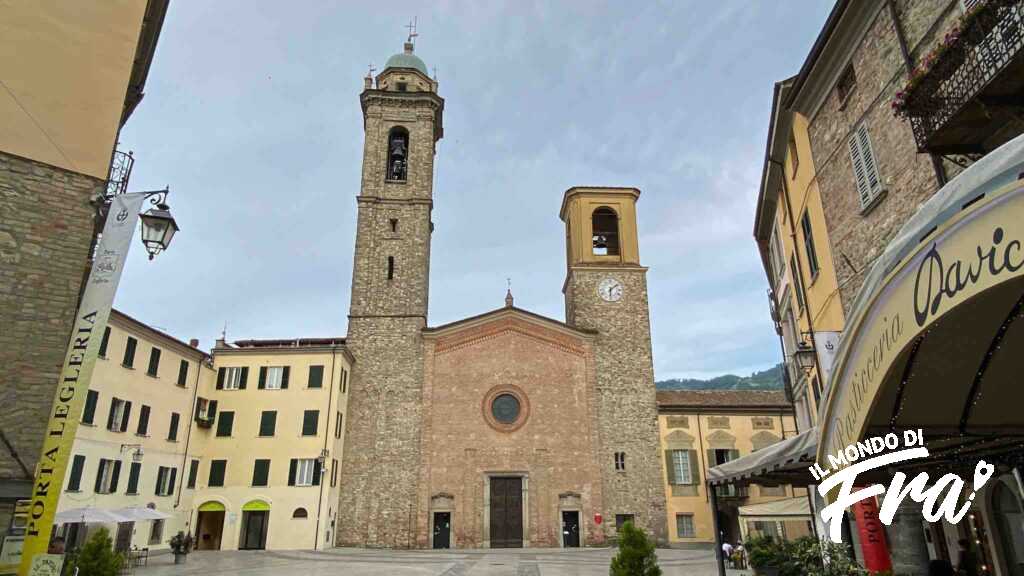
x=858, y=237
x=627, y=411
x=46, y=226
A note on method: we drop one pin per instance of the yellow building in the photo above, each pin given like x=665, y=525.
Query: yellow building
x=135, y=432
x=700, y=429
x=268, y=435
x=790, y=230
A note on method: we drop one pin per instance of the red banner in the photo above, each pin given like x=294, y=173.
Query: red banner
x=872, y=536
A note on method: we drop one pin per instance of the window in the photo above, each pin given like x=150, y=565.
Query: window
x=817, y=393
x=300, y=513
x=344, y=381
x=684, y=526
x=217, y=471
x=968, y=5
x=233, y=378
x=398, y=154
x=334, y=472
x=104, y=342
x=225, y=422
x=865, y=170
x=620, y=461
x=154, y=362
x=129, y=352
x=261, y=473
x=762, y=423
x=143, y=428
x=183, y=373
x=268, y=422
x=75, y=478
x=812, y=255
x=337, y=426
x=394, y=224
x=798, y=288
x=106, y=476
x=89, y=412
x=316, y=377
x=193, y=472
x=172, y=430
x=133, y=478
x=304, y=472
x=310, y=422
x=847, y=82
x=156, y=531
x=206, y=411
x=120, y=412
x=682, y=468
x=794, y=156
x=274, y=377
x=403, y=86
x=165, y=481
x=605, y=228
x=621, y=519
x=391, y=267
x=776, y=259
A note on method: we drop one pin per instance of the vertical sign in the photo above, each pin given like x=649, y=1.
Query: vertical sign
x=826, y=344
x=872, y=537
x=83, y=348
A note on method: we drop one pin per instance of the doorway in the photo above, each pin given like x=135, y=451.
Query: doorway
x=209, y=529
x=123, y=542
x=570, y=529
x=506, y=512
x=1009, y=516
x=254, y=530
x=442, y=530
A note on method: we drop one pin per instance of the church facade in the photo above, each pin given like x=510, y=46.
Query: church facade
x=505, y=429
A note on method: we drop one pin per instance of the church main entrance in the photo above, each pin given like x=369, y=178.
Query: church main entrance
x=506, y=512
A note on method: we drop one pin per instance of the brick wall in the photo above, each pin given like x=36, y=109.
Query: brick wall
x=46, y=226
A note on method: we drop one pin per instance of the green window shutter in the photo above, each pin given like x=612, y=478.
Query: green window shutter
x=694, y=467
x=310, y=420
x=220, y=378
x=670, y=469
x=115, y=476
x=260, y=472
x=316, y=376
x=126, y=415
x=182, y=373
x=268, y=423
x=133, y=478
x=225, y=423
x=284, y=377
x=263, y=378
x=243, y=380
x=77, y=465
x=89, y=413
x=104, y=342
x=317, y=472
x=143, y=427
x=291, y=471
x=193, y=471
x=170, y=485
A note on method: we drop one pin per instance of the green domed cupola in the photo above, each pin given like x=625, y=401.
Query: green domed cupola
x=407, y=60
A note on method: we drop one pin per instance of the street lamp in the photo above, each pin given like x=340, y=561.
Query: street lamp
x=805, y=356
x=158, y=226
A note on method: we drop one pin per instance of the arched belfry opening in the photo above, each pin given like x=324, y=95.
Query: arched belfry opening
x=398, y=154
x=605, y=226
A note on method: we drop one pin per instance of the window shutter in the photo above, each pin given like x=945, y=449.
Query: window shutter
x=316, y=377
x=199, y=407
x=243, y=380
x=263, y=378
x=89, y=413
x=211, y=409
x=115, y=476
x=193, y=472
x=99, y=476
x=143, y=426
x=77, y=464
x=126, y=415
x=733, y=454
x=110, y=416
x=183, y=373
x=159, y=477
x=104, y=342
x=670, y=468
x=870, y=167
x=694, y=468
x=860, y=177
x=220, y=378
x=316, y=472
x=284, y=377
x=291, y=471
x=170, y=485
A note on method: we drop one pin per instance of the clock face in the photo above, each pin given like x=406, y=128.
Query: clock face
x=610, y=290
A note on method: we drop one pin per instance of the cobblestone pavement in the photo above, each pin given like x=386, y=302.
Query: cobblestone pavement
x=525, y=562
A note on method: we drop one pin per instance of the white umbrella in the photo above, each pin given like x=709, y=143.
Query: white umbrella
x=75, y=515
x=141, y=513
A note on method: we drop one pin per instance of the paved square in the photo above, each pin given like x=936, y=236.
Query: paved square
x=522, y=562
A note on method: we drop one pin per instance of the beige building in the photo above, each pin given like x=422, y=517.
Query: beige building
x=700, y=429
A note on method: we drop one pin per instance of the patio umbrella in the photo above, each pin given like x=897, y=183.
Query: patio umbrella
x=88, y=515
x=141, y=513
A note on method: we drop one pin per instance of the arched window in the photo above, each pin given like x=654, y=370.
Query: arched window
x=605, y=225
x=398, y=154
x=300, y=513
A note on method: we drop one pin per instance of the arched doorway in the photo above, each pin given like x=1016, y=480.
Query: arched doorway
x=209, y=525
x=1009, y=517
x=255, y=517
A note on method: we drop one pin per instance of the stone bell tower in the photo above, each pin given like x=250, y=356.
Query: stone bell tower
x=606, y=290
x=402, y=124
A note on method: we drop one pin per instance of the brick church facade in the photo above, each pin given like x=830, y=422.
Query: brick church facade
x=505, y=429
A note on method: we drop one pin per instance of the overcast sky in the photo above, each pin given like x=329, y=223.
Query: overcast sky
x=252, y=116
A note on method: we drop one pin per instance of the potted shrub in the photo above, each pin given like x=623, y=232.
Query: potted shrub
x=181, y=545
x=764, y=555
x=97, y=557
x=636, y=554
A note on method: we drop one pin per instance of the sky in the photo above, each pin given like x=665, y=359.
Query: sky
x=251, y=115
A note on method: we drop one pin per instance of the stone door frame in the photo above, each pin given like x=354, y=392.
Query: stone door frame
x=525, y=476
x=441, y=502
x=570, y=502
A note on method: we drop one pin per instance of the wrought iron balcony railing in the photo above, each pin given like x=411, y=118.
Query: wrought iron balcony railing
x=974, y=85
x=120, y=172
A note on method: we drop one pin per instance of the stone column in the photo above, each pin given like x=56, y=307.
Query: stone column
x=907, y=541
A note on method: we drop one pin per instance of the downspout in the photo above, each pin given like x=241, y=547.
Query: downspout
x=908, y=63
x=327, y=436
x=188, y=434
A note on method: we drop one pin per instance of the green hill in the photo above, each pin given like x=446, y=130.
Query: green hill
x=770, y=379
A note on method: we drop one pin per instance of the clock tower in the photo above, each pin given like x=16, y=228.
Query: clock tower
x=606, y=291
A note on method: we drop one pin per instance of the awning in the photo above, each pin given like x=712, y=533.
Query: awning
x=256, y=506
x=89, y=515
x=211, y=506
x=781, y=510
x=784, y=462
x=933, y=340
x=142, y=513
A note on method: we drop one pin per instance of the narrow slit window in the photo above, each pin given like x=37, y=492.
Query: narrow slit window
x=391, y=267
x=394, y=224
x=605, y=226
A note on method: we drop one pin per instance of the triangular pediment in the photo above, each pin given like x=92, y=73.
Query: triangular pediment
x=508, y=320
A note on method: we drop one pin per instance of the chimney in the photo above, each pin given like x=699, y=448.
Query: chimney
x=220, y=343
x=368, y=82
x=194, y=342
x=408, y=47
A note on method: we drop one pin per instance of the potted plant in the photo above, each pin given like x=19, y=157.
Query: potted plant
x=764, y=555
x=181, y=545
x=636, y=554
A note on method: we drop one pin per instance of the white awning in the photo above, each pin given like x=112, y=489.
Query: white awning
x=784, y=462
x=779, y=509
x=142, y=513
x=89, y=515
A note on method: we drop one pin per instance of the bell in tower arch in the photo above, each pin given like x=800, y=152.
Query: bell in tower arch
x=398, y=154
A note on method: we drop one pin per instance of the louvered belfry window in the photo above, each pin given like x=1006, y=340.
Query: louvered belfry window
x=865, y=169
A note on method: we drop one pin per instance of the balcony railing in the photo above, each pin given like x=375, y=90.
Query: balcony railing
x=970, y=99
x=120, y=172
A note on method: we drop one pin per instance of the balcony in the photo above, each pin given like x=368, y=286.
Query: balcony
x=970, y=98
x=120, y=171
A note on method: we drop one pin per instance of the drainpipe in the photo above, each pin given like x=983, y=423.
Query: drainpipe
x=188, y=433
x=327, y=436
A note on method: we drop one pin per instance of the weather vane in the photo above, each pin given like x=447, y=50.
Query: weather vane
x=372, y=70
x=412, y=31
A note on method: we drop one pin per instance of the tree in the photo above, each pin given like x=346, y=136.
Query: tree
x=636, y=554
x=97, y=557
